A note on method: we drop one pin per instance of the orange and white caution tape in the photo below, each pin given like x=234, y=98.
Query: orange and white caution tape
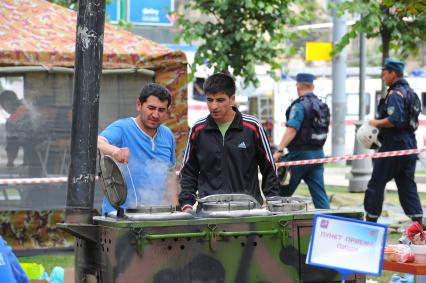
x=30, y=181
x=351, y=157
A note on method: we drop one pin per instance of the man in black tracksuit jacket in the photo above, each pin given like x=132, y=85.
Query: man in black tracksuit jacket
x=225, y=150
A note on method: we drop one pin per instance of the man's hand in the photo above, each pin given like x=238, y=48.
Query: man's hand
x=121, y=155
x=277, y=156
x=187, y=208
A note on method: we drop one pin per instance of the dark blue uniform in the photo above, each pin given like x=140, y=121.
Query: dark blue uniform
x=313, y=175
x=397, y=108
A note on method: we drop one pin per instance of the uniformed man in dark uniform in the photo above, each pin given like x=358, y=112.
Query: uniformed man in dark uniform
x=305, y=141
x=397, y=120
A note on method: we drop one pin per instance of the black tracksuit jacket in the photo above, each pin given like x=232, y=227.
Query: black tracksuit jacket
x=213, y=164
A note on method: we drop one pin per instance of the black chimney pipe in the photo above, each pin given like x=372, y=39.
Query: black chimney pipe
x=87, y=77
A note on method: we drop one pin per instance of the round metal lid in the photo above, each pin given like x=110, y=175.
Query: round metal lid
x=228, y=202
x=227, y=198
x=287, y=204
x=112, y=181
x=229, y=206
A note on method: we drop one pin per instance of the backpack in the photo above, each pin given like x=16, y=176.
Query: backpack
x=413, y=108
x=320, y=121
x=314, y=130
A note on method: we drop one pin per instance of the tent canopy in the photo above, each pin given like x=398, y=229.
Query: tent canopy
x=39, y=33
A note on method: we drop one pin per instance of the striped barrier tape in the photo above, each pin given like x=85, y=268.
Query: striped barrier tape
x=30, y=181
x=351, y=157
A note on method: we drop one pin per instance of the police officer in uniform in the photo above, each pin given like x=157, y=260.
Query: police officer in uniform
x=303, y=144
x=397, y=119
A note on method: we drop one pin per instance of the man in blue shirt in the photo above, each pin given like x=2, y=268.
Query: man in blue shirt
x=10, y=269
x=146, y=150
x=397, y=120
x=304, y=142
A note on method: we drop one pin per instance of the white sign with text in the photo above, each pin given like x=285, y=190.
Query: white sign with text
x=347, y=245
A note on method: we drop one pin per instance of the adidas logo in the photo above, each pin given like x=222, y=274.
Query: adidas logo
x=242, y=145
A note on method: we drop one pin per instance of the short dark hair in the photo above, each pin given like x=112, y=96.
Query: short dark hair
x=156, y=90
x=399, y=74
x=220, y=82
x=8, y=95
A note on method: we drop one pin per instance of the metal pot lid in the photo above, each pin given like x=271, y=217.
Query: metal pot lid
x=234, y=214
x=112, y=181
x=287, y=204
x=225, y=198
x=229, y=206
x=152, y=209
x=278, y=199
x=153, y=213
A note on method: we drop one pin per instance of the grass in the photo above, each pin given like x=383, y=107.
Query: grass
x=50, y=261
x=391, y=197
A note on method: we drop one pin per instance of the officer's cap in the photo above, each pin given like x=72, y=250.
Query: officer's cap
x=305, y=78
x=394, y=65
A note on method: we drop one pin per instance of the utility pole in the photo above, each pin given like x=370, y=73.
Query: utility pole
x=362, y=67
x=339, y=87
x=85, y=110
x=84, y=131
x=361, y=169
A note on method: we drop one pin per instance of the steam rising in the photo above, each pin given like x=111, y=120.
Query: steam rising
x=150, y=183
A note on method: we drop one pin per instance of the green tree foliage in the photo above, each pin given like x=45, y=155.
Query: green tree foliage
x=71, y=4
x=399, y=23
x=237, y=35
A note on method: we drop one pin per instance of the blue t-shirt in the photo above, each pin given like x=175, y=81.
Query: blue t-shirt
x=10, y=269
x=150, y=161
